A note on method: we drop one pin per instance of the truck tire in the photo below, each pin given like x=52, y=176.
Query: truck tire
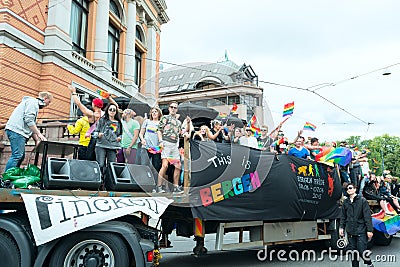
x=382, y=239
x=90, y=249
x=10, y=254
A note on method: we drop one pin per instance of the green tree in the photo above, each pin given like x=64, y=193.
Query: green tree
x=385, y=151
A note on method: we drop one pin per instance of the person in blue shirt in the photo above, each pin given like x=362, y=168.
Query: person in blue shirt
x=299, y=150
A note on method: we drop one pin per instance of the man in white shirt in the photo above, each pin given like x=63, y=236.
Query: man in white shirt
x=248, y=139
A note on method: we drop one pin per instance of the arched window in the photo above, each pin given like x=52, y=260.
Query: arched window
x=139, y=34
x=79, y=24
x=114, y=9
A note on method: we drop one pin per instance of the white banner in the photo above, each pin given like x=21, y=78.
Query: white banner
x=55, y=216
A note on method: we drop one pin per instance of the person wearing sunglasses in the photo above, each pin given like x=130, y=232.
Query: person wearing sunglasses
x=169, y=130
x=264, y=141
x=108, y=134
x=356, y=220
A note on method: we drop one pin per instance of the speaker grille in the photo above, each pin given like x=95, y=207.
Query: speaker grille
x=84, y=170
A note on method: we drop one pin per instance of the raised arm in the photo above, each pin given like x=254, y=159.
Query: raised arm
x=77, y=101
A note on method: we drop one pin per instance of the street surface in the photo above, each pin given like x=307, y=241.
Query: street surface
x=181, y=254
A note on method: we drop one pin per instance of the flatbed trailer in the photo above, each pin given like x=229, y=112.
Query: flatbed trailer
x=123, y=241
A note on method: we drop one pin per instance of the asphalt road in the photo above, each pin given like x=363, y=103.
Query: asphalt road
x=181, y=255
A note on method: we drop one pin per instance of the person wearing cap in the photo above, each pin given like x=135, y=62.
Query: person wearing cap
x=248, y=139
x=93, y=116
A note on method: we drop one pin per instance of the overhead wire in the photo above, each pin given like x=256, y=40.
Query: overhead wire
x=308, y=89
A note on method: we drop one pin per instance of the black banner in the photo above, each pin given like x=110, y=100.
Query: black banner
x=237, y=183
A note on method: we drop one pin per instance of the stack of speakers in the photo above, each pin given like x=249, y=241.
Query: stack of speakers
x=62, y=173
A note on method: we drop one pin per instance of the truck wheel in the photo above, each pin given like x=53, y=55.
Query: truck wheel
x=90, y=249
x=382, y=239
x=10, y=254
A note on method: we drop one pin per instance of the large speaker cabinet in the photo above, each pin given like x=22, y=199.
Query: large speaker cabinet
x=62, y=173
x=129, y=177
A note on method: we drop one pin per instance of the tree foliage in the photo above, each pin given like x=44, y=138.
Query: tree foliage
x=384, y=152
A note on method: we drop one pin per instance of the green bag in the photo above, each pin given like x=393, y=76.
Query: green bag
x=24, y=182
x=12, y=174
x=23, y=177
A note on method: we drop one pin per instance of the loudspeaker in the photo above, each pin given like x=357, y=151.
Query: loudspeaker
x=129, y=177
x=62, y=173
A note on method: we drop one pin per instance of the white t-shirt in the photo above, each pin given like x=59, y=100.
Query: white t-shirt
x=248, y=141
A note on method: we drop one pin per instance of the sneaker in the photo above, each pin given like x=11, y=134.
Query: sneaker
x=166, y=188
x=177, y=190
x=159, y=189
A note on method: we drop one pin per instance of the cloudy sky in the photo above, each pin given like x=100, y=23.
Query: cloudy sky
x=343, y=44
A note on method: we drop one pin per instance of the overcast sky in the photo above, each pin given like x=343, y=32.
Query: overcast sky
x=302, y=44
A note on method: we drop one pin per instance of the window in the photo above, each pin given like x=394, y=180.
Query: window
x=139, y=34
x=139, y=55
x=138, y=67
x=79, y=24
x=114, y=33
x=114, y=9
x=234, y=99
x=113, y=49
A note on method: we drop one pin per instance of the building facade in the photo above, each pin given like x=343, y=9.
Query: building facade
x=111, y=45
x=216, y=85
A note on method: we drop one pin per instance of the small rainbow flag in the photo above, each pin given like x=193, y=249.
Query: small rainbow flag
x=288, y=109
x=222, y=115
x=113, y=127
x=252, y=121
x=234, y=108
x=103, y=94
x=255, y=129
x=309, y=126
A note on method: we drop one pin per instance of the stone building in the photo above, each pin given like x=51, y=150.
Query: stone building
x=112, y=45
x=217, y=85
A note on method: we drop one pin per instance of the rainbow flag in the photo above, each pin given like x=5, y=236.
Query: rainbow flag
x=252, y=121
x=234, y=108
x=288, y=109
x=103, y=94
x=386, y=224
x=309, y=126
x=255, y=129
x=340, y=155
x=223, y=115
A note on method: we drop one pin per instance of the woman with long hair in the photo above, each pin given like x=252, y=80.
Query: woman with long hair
x=108, y=133
x=148, y=137
x=202, y=134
